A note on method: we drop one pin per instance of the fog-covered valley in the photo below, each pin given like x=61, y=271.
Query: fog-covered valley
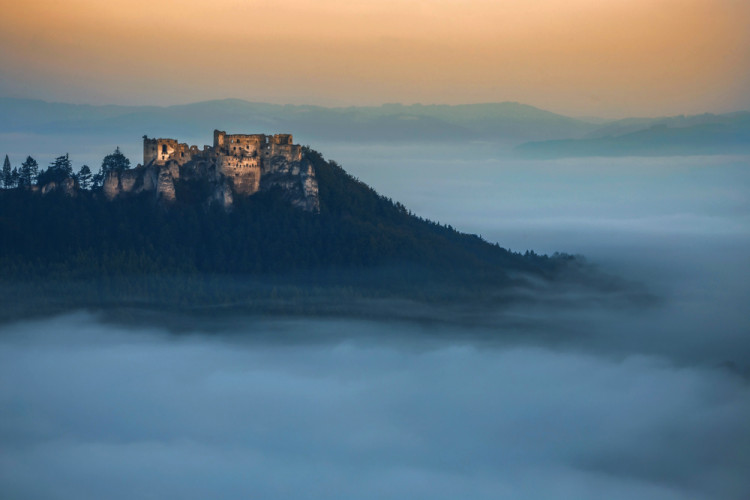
x=575, y=396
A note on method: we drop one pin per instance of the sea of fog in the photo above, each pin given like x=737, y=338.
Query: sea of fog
x=580, y=400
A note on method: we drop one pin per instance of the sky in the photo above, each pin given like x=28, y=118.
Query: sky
x=610, y=58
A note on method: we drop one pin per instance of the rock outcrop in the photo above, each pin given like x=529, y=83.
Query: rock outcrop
x=236, y=165
x=67, y=186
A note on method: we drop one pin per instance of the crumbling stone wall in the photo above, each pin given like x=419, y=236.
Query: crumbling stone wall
x=236, y=164
x=243, y=171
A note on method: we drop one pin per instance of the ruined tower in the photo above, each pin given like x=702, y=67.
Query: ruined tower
x=236, y=164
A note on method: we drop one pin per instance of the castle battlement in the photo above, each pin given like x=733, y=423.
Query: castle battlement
x=236, y=164
x=162, y=150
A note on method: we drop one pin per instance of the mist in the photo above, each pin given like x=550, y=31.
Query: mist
x=572, y=395
x=679, y=227
x=98, y=411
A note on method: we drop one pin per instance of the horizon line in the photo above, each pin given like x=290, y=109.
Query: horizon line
x=382, y=105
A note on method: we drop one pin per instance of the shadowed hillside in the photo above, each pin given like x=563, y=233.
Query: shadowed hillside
x=135, y=249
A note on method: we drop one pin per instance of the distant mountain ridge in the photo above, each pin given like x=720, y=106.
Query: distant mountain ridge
x=681, y=135
x=535, y=133
x=629, y=125
x=507, y=121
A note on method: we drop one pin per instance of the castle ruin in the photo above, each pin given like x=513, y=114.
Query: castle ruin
x=236, y=164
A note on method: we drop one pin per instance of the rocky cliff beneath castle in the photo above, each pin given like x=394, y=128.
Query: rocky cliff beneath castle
x=236, y=165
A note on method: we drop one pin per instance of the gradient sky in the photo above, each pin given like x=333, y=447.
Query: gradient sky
x=608, y=58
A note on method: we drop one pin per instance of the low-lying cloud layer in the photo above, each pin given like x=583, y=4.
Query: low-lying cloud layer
x=95, y=411
x=579, y=398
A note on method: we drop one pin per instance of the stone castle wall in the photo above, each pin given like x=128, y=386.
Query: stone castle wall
x=261, y=145
x=162, y=150
x=244, y=172
x=236, y=164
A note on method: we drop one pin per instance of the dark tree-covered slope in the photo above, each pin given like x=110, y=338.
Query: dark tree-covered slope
x=358, y=238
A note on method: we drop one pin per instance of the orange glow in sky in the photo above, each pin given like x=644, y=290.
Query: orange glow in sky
x=579, y=57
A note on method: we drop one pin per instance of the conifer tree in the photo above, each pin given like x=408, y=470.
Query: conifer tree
x=62, y=166
x=7, y=175
x=28, y=173
x=84, y=177
x=14, y=177
x=97, y=180
x=115, y=162
x=58, y=170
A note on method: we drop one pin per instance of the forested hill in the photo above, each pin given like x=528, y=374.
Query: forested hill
x=357, y=236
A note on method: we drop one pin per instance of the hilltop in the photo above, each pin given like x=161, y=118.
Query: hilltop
x=196, y=252
x=235, y=165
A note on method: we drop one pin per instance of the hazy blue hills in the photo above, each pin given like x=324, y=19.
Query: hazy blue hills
x=36, y=116
x=683, y=135
x=496, y=122
x=535, y=133
x=629, y=125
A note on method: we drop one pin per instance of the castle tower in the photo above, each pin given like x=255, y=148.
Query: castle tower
x=149, y=150
x=219, y=139
x=158, y=150
x=282, y=139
